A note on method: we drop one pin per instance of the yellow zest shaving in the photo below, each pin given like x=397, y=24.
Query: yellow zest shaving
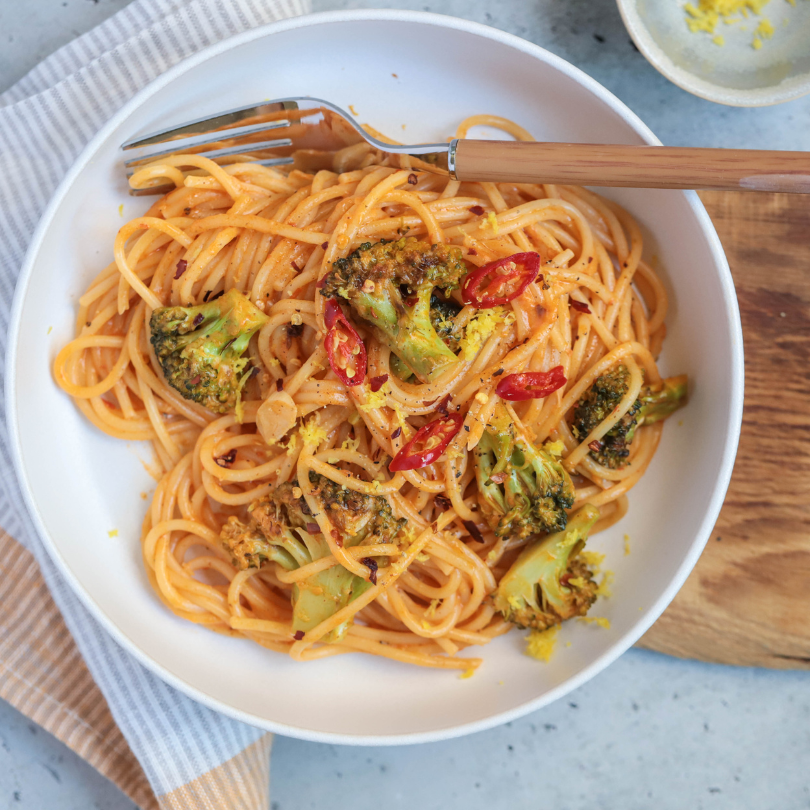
x=468, y=673
x=626, y=544
x=604, y=585
x=112, y=533
x=601, y=621
x=400, y=415
x=292, y=444
x=480, y=327
x=765, y=29
x=493, y=222
x=555, y=449
x=706, y=14
x=350, y=444
x=540, y=643
x=593, y=559
x=375, y=399
x=431, y=611
x=312, y=433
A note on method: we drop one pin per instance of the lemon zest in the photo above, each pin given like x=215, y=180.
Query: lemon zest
x=601, y=621
x=480, y=327
x=540, y=643
x=592, y=558
x=311, y=432
x=604, y=586
x=375, y=399
x=704, y=16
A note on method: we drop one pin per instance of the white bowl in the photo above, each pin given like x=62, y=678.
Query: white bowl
x=396, y=68
x=734, y=73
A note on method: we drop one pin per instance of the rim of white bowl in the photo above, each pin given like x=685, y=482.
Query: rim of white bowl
x=735, y=409
x=790, y=90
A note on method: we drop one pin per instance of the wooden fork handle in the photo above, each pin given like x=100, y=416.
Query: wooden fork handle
x=635, y=166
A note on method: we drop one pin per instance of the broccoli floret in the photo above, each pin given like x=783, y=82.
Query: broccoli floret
x=357, y=517
x=201, y=348
x=282, y=529
x=522, y=490
x=548, y=583
x=443, y=312
x=390, y=285
x=597, y=403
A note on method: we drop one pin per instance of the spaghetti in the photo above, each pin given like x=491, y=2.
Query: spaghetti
x=274, y=236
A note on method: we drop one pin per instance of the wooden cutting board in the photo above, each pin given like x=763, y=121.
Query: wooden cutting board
x=748, y=600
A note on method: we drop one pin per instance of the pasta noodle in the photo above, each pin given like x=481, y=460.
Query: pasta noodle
x=274, y=236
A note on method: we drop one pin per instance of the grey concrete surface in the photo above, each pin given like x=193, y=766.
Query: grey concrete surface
x=650, y=731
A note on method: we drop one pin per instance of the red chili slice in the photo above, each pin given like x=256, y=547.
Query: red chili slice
x=376, y=383
x=501, y=281
x=531, y=384
x=347, y=354
x=428, y=443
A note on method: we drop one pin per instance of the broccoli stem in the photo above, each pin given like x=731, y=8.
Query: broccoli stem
x=321, y=595
x=410, y=335
x=658, y=405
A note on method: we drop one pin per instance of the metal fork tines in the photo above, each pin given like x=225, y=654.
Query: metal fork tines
x=305, y=130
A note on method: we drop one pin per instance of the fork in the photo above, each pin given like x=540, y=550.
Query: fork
x=306, y=133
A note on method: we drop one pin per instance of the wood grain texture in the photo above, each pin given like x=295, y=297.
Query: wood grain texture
x=636, y=166
x=748, y=600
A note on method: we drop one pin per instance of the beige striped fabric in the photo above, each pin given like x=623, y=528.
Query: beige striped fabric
x=241, y=782
x=43, y=675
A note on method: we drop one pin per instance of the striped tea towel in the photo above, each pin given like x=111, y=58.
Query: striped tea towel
x=107, y=707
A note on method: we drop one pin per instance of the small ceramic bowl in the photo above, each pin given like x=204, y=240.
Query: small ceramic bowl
x=734, y=73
